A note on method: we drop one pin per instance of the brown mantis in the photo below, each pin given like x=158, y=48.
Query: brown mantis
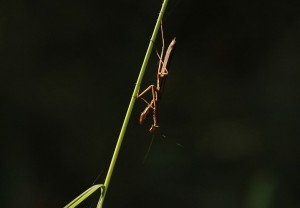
x=162, y=73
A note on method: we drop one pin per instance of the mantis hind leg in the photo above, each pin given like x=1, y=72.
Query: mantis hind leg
x=154, y=126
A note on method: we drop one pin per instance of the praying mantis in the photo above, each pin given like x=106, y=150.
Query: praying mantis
x=156, y=90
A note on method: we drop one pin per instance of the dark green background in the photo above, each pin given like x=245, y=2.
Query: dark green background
x=68, y=69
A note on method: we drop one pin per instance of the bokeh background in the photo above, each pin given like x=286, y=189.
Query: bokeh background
x=229, y=117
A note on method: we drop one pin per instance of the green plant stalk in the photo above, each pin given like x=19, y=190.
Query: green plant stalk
x=131, y=104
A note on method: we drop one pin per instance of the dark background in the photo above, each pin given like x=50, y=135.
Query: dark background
x=229, y=117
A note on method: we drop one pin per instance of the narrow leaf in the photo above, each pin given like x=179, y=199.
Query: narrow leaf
x=83, y=196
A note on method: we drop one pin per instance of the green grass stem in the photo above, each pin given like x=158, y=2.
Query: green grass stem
x=131, y=104
x=104, y=186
